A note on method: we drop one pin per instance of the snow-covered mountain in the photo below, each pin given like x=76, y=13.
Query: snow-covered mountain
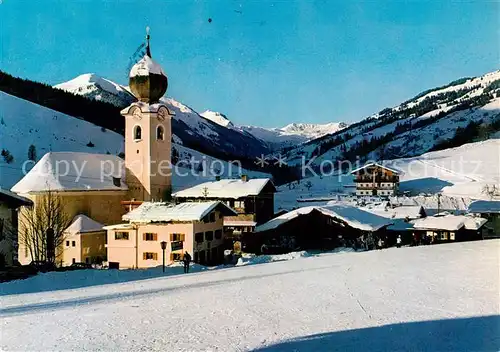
x=217, y=117
x=24, y=124
x=95, y=87
x=278, y=138
x=460, y=111
x=188, y=127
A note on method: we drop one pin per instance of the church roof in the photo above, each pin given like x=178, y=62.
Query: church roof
x=83, y=224
x=227, y=188
x=145, y=66
x=71, y=171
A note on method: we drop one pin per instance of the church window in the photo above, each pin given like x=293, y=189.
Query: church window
x=160, y=133
x=137, y=133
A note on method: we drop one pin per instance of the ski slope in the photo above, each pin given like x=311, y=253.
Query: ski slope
x=431, y=298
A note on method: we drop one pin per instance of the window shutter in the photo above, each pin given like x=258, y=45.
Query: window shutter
x=155, y=237
x=183, y=236
x=171, y=257
x=144, y=237
x=171, y=237
x=144, y=256
x=155, y=256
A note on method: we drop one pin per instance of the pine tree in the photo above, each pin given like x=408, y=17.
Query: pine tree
x=32, y=153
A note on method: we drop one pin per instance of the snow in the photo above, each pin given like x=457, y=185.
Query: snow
x=484, y=206
x=397, y=172
x=449, y=222
x=352, y=216
x=26, y=123
x=165, y=212
x=398, y=212
x=72, y=171
x=87, y=83
x=293, y=134
x=82, y=224
x=146, y=66
x=431, y=298
x=226, y=188
x=217, y=117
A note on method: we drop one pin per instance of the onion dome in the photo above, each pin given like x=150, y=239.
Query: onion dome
x=147, y=80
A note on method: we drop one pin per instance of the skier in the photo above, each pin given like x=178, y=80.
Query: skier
x=398, y=241
x=379, y=243
x=186, y=260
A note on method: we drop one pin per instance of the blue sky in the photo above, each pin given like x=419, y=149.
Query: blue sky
x=265, y=63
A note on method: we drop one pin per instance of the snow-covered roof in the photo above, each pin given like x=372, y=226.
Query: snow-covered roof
x=226, y=188
x=485, y=206
x=401, y=225
x=449, y=222
x=71, y=171
x=165, y=212
x=13, y=199
x=145, y=66
x=83, y=224
x=375, y=164
x=403, y=212
x=352, y=216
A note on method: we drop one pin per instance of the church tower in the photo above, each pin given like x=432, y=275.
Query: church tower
x=148, y=132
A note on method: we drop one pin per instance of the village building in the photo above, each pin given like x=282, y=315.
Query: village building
x=192, y=227
x=489, y=210
x=104, y=187
x=253, y=200
x=318, y=227
x=374, y=179
x=450, y=228
x=84, y=242
x=9, y=204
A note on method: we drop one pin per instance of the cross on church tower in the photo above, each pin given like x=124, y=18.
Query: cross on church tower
x=148, y=132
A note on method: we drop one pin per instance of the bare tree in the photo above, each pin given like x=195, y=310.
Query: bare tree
x=41, y=227
x=491, y=190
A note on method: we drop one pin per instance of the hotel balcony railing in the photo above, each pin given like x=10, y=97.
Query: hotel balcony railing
x=378, y=179
x=376, y=187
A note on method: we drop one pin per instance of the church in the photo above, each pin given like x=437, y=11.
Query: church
x=105, y=187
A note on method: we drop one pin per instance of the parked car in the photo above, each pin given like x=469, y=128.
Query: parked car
x=43, y=266
x=81, y=266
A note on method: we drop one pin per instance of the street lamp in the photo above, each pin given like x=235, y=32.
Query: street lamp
x=163, y=247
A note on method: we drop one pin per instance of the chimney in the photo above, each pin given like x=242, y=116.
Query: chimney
x=244, y=178
x=217, y=178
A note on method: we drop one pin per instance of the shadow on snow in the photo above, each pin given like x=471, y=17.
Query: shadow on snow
x=462, y=334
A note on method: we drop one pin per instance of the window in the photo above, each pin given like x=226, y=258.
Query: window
x=73, y=244
x=121, y=235
x=212, y=217
x=73, y=260
x=198, y=237
x=149, y=236
x=209, y=236
x=174, y=237
x=239, y=204
x=137, y=133
x=220, y=215
x=67, y=243
x=159, y=133
x=87, y=260
x=218, y=234
x=149, y=256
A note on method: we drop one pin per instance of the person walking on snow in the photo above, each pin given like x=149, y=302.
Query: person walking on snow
x=186, y=259
x=398, y=241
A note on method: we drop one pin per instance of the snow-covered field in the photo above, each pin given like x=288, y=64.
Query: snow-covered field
x=460, y=173
x=433, y=298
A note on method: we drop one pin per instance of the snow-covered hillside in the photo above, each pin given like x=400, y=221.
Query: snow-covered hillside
x=413, y=127
x=431, y=298
x=23, y=123
x=459, y=174
x=217, y=117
